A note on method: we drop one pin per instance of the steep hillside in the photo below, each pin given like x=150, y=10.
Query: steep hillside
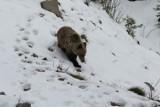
x=143, y=12
x=33, y=69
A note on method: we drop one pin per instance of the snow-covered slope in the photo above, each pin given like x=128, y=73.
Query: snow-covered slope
x=143, y=12
x=29, y=58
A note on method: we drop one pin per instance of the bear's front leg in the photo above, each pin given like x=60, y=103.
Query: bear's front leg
x=72, y=58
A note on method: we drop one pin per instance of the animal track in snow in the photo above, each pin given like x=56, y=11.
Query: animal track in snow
x=20, y=54
x=30, y=44
x=41, y=14
x=26, y=32
x=68, y=103
x=53, y=33
x=39, y=70
x=26, y=87
x=16, y=48
x=50, y=78
x=24, y=50
x=31, y=62
x=34, y=55
x=30, y=18
x=25, y=38
x=35, y=32
x=51, y=49
x=26, y=61
x=21, y=29
x=21, y=49
x=18, y=40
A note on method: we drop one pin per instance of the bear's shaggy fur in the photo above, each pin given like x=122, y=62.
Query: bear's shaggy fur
x=71, y=42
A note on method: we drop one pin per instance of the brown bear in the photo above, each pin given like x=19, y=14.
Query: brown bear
x=71, y=42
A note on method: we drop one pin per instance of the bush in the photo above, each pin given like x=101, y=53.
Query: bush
x=137, y=90
x=131, y=25
x=152, y=94
x=158, y=14
x=111, y=7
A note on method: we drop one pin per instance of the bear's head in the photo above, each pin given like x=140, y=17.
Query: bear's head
x=81, y=51
x=79, y=46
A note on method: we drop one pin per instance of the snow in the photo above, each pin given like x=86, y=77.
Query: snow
x=29, y=56
x=144, y=13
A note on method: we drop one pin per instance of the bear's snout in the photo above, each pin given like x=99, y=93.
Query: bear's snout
x=82, y=58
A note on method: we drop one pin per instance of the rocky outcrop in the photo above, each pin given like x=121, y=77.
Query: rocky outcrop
x=52, y=6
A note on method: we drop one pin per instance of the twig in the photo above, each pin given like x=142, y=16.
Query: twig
x=151, y=32
x=157, y=83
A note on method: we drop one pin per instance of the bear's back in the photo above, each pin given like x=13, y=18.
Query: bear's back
x=67, y=34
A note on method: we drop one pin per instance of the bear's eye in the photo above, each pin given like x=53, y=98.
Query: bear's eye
x=79, y=46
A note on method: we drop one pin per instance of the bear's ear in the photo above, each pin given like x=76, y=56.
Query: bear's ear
x=83, y=36
x=85, y=44
x=74, y=38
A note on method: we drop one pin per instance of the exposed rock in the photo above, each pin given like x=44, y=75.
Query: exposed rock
x=2, y=93
x=23, y=105
x=51, y=6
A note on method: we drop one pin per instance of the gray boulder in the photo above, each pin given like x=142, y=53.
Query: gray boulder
x=52, y=6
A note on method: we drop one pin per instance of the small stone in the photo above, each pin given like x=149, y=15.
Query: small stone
x=23, y=104
x=2, y=93
x=45, y=59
